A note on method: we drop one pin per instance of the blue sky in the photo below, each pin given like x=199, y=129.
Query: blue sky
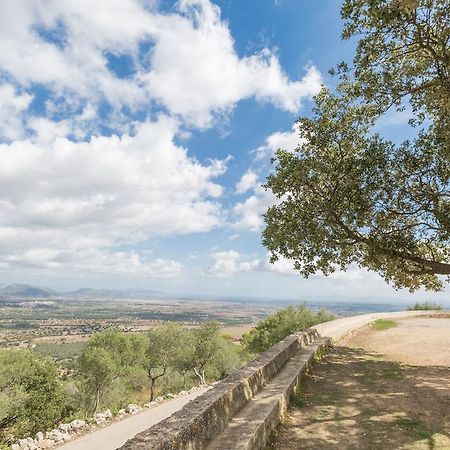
x=135, y=135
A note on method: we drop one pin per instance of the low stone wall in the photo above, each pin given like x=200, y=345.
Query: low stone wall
x=207, y=416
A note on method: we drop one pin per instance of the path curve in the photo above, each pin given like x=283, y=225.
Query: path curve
x=115, y=435
x=338, y=328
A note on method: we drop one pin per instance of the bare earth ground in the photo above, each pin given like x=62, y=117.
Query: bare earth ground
x=358, y=398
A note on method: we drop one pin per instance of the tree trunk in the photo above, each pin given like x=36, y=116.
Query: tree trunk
x=152, y=388
x=97, y=401
x=201, y=376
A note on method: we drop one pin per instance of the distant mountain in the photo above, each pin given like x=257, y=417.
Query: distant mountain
x=115, y=293
x=29, y=291
x=88, y=292
x=26, y=290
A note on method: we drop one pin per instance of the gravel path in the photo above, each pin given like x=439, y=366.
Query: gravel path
x=115, y=435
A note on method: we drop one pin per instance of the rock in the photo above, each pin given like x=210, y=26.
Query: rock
x=170, y=395
x=77, y=424
x=65, y=427
x=39, y=436
x=121, y=412
x=56, y=435
x=107, y=414
x=153, y=403
x=183, y=393
x=31, y=445
x=23, y=444
x=16, y=447
x=102, y=417
x=159, y=399
x=133, y=409
x=148, y=405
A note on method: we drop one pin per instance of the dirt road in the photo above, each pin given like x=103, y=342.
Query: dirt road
x=116, y=434
x=386, y=389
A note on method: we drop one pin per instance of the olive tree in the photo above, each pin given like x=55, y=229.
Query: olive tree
x=164, y=344
x=32, y=396
x=108, y=355
x=206, y=348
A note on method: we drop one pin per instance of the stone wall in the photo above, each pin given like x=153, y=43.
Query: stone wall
x=208, y=415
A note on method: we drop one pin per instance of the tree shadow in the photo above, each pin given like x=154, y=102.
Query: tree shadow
x=353, y=399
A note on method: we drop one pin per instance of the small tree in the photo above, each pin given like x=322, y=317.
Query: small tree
x=163, y=346
x=107, y=356
x=226, y=359
x=206, y=347
x=183, y=362
x=32, y=396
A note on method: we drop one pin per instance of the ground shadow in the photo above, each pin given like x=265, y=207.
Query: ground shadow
x=353, y=399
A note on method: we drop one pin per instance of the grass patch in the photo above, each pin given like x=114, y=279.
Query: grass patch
x=394, y=372
x=425, y=306
x=414, y=426
x=384, y=324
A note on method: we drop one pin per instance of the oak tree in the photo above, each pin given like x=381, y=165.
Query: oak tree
x=348, y=195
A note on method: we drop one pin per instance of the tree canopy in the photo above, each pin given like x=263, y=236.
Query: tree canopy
x=31, y=394
x=349, y=195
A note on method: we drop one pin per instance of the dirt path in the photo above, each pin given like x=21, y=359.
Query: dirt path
x=356, y=398
x=420, y=342
x=116, y=434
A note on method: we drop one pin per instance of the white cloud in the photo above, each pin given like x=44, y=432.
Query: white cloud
x=91, y=261
x=191, y=66
x=12, y=107
x=249, y=213
x=70, y=197
x=285, y=140
x=229, y=262
x=248, y=181
x=102, y=193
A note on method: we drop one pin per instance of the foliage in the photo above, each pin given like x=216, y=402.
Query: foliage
x=61, y=351
x=348, y=195
x=108, y=356
x=113, y=369
x=425, y=306
x=383, y=324
x=32, y=396
x=281, y=324
x=164, y=347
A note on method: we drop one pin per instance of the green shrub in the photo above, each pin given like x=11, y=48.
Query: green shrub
x=281, y=324
x=32, y=396
x=425, y=306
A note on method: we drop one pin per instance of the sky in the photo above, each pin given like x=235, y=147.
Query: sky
x=135, y=136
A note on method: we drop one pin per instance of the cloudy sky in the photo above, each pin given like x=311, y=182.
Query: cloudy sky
x=135, y=135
